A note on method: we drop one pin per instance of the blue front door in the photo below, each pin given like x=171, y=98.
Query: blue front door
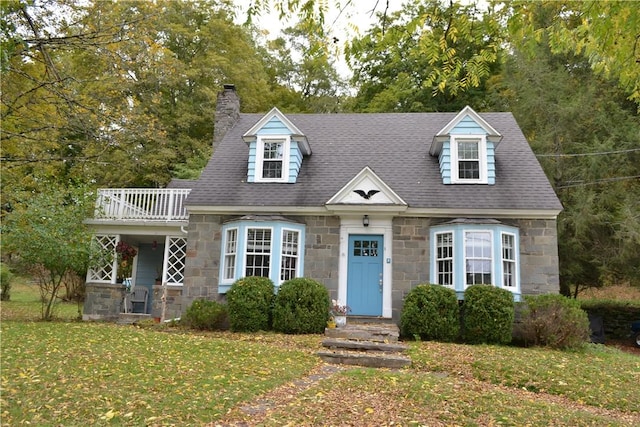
x=364, y=275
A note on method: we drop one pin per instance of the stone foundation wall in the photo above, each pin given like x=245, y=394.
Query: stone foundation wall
x=173, y=305
x=103, y=301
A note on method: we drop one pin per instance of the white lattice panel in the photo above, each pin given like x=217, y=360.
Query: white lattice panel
x=102, y=271
x=176, y=259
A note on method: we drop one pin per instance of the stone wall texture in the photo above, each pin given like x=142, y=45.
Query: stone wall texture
x=103, y=301
x=411, y=257
x=539, y=270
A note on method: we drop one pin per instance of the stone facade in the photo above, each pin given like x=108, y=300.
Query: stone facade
x=411, y=257
x=539, y=270
x=202, y=265
x=103, y=301
x=322, y=251
x=173, y=308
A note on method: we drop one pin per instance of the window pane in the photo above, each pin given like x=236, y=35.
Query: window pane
x=272, y=163
x=469, y=169
x=230, y=254
x=444, y=259
x=468, y=160
x=289, y=257
x=478, y=257
x=508, y=261
x=258, y=256
x=468, y=150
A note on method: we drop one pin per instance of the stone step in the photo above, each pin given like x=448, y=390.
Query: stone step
x=365, y=332
x=368, y=359
x=373, y=346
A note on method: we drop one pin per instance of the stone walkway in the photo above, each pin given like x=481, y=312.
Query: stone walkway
x=259, y=409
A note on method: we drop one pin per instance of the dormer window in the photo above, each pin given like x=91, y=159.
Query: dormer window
x=272, y=163
x=469, y=159
x=466, y=149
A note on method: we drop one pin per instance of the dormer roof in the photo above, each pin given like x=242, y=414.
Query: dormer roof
x=457, y=124
x=262, y=126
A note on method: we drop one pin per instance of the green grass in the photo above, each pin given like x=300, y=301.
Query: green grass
x=77, y=373
x=25, y=303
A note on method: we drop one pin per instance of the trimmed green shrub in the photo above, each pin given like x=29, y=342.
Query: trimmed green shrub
x=553, y=321
x=431, y=312
x=6, y=277
x=205, y=315
x=487, y=315
x=249, y=304
x=301, y=307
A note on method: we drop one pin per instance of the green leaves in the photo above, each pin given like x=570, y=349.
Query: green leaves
x=445, y=51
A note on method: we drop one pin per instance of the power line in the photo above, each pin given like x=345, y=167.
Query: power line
x=598, y=153
x=598, y=181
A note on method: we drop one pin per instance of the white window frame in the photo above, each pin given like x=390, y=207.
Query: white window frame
x=512, y=261
x=230, y=254
x=284, y=256
x=247, y=253
x=286, y=152
x=482, y=159
x=451, y=259
x=481, y=259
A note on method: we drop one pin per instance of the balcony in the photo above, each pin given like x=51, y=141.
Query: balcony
x=142, y=204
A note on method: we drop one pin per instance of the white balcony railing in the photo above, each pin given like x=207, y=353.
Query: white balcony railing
x=155, y=204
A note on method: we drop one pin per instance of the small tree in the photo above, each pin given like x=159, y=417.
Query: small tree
x=48, y=236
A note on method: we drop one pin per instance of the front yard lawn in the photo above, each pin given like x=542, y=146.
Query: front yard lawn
x=69, y=373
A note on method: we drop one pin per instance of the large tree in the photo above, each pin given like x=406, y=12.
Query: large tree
x=429, y=56
x=117, y=93
x=606, y=33
x=587, y=137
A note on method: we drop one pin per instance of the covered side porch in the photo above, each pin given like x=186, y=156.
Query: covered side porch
x=140, y=237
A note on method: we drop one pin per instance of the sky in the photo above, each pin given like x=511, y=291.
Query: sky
x=344, y=26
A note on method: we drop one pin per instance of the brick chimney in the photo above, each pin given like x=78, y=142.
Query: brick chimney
x=227, y=113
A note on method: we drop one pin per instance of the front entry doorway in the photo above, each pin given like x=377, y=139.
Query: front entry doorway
x=364, y=275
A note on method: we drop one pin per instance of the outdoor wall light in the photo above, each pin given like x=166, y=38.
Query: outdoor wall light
x=365, y=220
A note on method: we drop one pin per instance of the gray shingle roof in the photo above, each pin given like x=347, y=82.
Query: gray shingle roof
x=395, y=145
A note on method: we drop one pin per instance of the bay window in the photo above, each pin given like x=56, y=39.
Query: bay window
x=252, y=246
x=470, y=252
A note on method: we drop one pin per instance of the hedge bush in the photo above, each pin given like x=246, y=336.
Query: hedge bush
x=553, y=321
x=431, y=312
x=249, y=302
x=301, y=307
x=6, y=277
x=205, y=315
x=487, y=315
x=616, y=315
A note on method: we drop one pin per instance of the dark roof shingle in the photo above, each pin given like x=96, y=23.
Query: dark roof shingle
x=395, y=146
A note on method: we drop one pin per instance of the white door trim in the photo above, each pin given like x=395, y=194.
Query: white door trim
x=377, y=225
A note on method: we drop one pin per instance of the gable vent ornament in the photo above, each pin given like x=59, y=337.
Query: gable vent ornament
x=366, y=195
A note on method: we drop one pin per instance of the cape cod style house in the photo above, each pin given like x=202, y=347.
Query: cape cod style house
x=370, y=205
